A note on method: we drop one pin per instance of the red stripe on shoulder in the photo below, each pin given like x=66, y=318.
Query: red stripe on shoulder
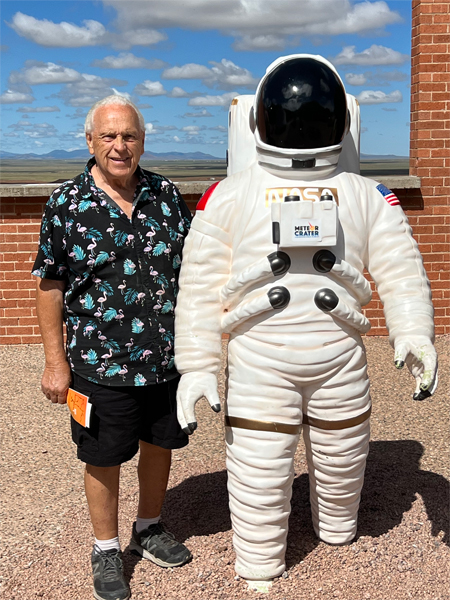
x=206, y=196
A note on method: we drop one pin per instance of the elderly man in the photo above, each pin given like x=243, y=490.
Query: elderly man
x=107, y=266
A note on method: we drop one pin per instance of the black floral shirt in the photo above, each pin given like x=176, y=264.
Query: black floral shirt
x=121, y=274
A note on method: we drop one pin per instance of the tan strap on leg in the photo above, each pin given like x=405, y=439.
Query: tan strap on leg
x=241, y=423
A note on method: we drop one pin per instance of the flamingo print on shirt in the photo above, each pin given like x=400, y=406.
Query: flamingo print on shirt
x=121, y=275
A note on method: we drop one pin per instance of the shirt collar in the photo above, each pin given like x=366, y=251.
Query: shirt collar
x=88, y=185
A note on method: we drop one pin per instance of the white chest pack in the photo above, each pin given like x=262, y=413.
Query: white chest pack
x=304, y=223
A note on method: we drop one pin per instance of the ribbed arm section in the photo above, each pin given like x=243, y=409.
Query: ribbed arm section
x=205, y=269
x=396, y=266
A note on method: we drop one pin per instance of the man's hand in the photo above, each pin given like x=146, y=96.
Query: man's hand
x=56, y=381
x=420, y=356
x=191, y=388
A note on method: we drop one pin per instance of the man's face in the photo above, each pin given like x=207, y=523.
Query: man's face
x=116, y=141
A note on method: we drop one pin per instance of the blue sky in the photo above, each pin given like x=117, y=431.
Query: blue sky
x=182, y=61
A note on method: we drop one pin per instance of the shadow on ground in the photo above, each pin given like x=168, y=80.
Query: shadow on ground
x=199, y=505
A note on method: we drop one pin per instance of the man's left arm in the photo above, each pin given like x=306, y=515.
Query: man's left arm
x=49, y=305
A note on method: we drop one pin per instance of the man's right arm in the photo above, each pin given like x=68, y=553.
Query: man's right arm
x=49, y=303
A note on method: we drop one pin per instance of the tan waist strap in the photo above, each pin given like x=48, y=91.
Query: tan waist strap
x=241, y=423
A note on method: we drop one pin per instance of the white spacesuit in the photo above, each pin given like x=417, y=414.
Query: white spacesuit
x=275, y=257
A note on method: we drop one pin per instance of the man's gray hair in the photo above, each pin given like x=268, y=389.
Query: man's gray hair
x=109, y=101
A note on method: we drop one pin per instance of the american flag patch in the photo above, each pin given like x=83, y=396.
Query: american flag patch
x=389, y=196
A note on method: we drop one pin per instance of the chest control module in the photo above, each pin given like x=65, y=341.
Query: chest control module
x=302, y=223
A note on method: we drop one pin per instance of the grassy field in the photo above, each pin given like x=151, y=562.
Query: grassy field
x=56, y=171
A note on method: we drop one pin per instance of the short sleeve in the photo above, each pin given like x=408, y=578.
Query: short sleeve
x=185, y=213
x=51, y=259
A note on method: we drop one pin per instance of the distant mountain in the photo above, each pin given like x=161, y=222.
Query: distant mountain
x=179, y=156
x=54, y=154
x=84, y=154
x=383, y=157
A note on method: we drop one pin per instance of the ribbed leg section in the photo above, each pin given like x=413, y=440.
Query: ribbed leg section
x=336, y=464
x=260, y=475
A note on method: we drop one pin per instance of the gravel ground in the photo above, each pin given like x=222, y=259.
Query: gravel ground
x=402, y=547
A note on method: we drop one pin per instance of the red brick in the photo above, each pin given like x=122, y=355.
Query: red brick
x=437, y=38
x=7, y=228
x=17, y=331
x=15, y=294
x=435, y=47
x=11, y=339
x=31, y=340
x=440, y=19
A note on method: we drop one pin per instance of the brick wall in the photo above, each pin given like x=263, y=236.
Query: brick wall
x=430, y=144
x=20, y=219
x=19, y=235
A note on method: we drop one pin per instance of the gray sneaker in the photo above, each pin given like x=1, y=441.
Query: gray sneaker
x=107, y=569
x=159, y=546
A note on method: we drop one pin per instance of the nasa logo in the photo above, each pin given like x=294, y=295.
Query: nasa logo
x=307, y=194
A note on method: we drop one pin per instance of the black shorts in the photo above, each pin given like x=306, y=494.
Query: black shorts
x=121, y=416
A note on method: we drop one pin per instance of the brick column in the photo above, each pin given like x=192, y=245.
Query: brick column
x=430, y=145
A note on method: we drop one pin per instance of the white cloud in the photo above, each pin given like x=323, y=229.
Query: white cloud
x=14, y=97
x=195, y=115
x=176, y=139
x=377, y=97
x=355, y=79
x=218, y=128
x=34, y=130
x=81, y=89
x=375, y=55
x=178, y=92
x=151, y=129
x=61, y=35
x=92, y=33
x=260, y=43
x=38, y=109
x=188, y=71
x=253, y=22
x=36, y=73
x=127, y=60
x=191, y=129
x=224, y=75
x=370, y=78
x=208, y=100
x=150, y=88
x=137, y=37
x=88, y=90
x=227, y=75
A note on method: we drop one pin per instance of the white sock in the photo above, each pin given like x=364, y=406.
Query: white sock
x=112, y=544
x=144, y=523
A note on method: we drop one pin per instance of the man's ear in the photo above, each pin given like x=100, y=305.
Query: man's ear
x=89, y=143
x=143, y=144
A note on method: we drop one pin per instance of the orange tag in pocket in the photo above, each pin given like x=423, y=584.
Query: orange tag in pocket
x=80, y=407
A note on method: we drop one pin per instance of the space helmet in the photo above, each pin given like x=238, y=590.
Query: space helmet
x=300, y=116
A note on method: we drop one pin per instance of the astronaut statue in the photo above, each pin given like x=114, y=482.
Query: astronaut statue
x=275, y=257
